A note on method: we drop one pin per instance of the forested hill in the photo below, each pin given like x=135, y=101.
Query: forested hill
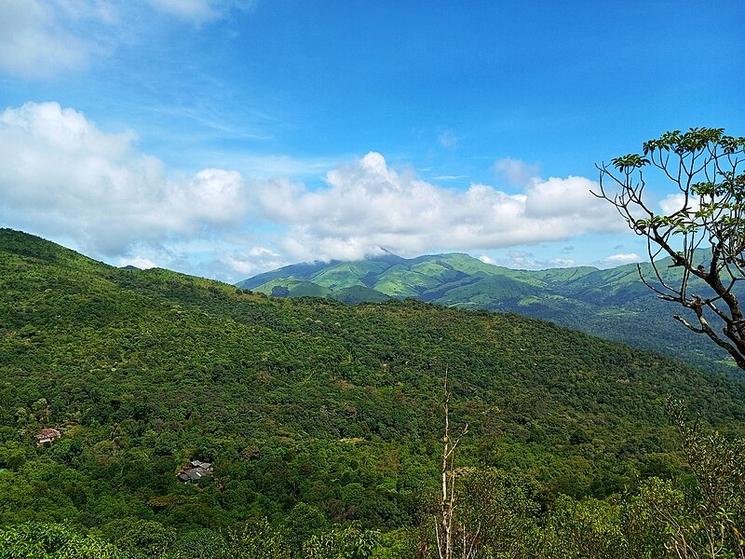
x=611, y=303
x=300, y=401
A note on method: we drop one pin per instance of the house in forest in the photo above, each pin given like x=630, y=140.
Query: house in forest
x=47, y=436
x=195, y=471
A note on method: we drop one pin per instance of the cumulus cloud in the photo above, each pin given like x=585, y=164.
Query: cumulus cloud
x=515, y=172
x=623, y=258
x=65, y=178
x=487, y=260
x=61, y=175
x=367, y=205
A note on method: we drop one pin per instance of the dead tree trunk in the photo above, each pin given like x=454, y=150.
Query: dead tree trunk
x=445, y=527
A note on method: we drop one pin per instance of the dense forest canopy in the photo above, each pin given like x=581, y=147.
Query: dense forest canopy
x=611, y=303
x=318, y=417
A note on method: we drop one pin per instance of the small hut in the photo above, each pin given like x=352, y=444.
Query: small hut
x=195, y=471
x=47, y=436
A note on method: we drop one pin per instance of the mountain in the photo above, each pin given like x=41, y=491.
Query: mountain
x=309, y=410
x=611, y=303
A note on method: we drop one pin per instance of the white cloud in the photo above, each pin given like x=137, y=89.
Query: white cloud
x=515, y=171
x=138, y=262
x=562, y=262
x=63, y=177
x=46, y=38
x=450, y=177
x=487, y=260
x=523, y=260
x=623, y=258
x=263, y=252
x=367, y=205
x=60, y=174
x=253, y=261
x=675, y=202
x=36, y=40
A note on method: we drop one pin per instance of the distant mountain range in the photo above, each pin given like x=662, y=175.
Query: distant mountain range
x=612, y=303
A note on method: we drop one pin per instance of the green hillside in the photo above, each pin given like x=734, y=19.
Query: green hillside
x=610, y=303
x=305, y=406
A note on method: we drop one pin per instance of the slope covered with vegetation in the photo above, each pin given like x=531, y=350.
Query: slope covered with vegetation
x=313, y=412
x=612, y=303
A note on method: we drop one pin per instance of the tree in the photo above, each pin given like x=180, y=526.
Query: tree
x=53, y=541
x=718, y=527
x=502, y=506
x=701, y=230
x=302, y=522
x=140, y=538
x=257, y=540
x=350, y=542
x=451, y=534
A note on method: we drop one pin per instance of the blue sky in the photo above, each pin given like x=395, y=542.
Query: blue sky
x=224, y=138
